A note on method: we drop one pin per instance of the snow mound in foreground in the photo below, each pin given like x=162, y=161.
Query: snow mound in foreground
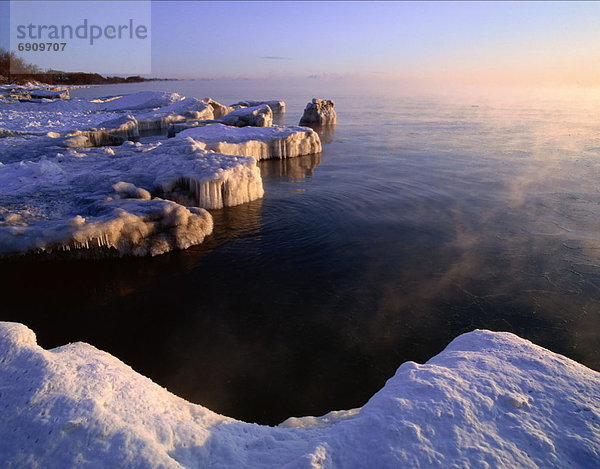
x=489, y=400
x=260, y=142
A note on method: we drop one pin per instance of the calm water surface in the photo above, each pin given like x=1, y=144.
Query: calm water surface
x=423, y=218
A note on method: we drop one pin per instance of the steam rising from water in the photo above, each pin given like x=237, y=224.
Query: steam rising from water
x=425, y=217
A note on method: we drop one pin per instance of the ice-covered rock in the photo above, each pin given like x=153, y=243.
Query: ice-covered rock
x=219, y=110
x=39, y=199
x=111, y=132
x=257, y=116
x=126, y=226
x=319, y=111
x=276, y=105
x=260, y=142
x=185, y=110
x=491, y=399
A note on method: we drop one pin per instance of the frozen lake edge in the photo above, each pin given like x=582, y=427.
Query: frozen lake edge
x=490, y=399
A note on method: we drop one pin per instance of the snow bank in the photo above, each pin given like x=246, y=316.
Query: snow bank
x=319, y=111
x=138, y=100
x=259, y=142
x=257, y=116
x=488, y=400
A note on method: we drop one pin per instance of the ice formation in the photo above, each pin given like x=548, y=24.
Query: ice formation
x=127, y=227
x=257, y=116
x=39, y=200
x=259, y=142
x=490, y=399
x=219, y=110
x=137, y=101
x=276, y=106
x=320, y=112
x=61, y=161
x=182, y=111
x=112, y=132
x=33, y=92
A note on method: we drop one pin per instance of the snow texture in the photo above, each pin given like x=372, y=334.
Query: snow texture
x=491, y=399
x=259, y=142
x=319, y=112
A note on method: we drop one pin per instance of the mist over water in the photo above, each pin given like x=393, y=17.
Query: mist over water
x=424, y=217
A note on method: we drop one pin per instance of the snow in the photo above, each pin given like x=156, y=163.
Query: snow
x=71, y=179
x=139, y=100
x=219, y=110
x=40, y=199
x=259, y=142
x=490, y=399
x=34, y=91
x=181, y=111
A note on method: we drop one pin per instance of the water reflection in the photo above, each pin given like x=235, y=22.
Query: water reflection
x=308, y=300
x=59, y=297
x=279, y=118
x=326, y=132
x=291, y=169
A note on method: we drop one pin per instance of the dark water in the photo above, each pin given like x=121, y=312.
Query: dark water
x=423, y=218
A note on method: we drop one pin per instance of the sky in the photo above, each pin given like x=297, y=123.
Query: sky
x=549, y=43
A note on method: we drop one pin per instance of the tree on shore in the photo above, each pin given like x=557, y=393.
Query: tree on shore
x=11, y=65
x=14, y=69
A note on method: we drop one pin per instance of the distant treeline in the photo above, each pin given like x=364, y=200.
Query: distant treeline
x=22, y=72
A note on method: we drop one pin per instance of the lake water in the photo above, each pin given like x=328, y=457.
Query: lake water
x=424, y=217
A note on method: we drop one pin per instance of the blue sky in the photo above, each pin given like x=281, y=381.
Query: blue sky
x=479, y=42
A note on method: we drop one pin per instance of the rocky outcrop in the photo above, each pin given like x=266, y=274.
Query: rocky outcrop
x=320, y=112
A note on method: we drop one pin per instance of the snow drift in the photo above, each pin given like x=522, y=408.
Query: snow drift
x=490, y=399
x=259, y=142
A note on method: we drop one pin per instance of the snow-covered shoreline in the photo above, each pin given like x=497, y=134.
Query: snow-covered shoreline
x=490, y=399
x=61, y=158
